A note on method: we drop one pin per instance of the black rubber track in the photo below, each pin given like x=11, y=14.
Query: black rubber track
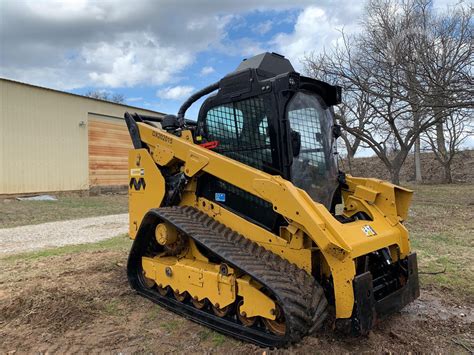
x=300, y=297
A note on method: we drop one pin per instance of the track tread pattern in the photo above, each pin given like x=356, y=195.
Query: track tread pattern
x=300, y=296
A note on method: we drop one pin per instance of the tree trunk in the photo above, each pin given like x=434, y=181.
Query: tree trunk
x=349, y=163
x=441, y=141
x=395, y=175
x=396, y=165
x=418, y=176
x=350, y=157
x=442, y=151
x=448, y=178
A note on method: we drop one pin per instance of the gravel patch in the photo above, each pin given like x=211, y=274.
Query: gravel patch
x=55, y=234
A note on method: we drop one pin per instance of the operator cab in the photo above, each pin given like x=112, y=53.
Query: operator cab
x=267, y=116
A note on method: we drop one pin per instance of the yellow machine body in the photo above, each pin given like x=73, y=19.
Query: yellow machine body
x=311, y=227
x=243, y=222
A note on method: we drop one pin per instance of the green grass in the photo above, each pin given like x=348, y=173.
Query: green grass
x=442, y=233
x=447, y=194
x=218, y=339
x=112, y=308
x=119, y=243
x=153, y=313
x=170, y=325
x=204, y=334
x=15, y=213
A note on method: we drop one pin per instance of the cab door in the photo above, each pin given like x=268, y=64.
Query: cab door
x=240, y=130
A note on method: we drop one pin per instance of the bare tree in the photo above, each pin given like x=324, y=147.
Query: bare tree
x=448, y=74
x=457, y=127
x=365, y=63
x=106, y=96
x=118, y=98
x=354, y=110
x=389, y=63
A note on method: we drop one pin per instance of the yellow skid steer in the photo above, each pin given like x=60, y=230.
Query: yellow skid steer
x=234, y=215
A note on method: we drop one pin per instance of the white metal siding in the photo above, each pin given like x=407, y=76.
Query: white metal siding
x=2, y=147
x=43, y=146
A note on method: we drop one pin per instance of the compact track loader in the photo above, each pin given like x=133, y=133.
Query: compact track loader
x=234, y=216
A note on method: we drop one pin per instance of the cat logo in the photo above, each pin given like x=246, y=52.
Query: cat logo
x=137, y=184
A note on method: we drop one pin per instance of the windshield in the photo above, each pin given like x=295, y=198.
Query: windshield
x=314, y=168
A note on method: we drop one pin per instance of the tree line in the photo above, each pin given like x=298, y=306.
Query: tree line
x=106, y=96
x=407, y=82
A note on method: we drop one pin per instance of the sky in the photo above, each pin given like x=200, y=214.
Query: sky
x=156, y=53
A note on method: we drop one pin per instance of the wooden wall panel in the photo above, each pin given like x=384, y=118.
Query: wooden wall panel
x=109, y=144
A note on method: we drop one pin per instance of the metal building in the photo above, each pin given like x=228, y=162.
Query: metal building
x=56, y=141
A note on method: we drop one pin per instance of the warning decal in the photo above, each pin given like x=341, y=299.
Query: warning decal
x=137, y=172
x=369, y=231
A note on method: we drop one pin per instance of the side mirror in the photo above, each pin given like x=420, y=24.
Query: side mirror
x=295, y=142
x=336, y=131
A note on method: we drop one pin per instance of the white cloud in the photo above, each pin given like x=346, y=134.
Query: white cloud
x=315, y=29
x=113, y=43
x=263, y=27
x=175, y=93
x=106, y=44
x=244, y=47
x=134, y=59
x=207, y=70
x=122, y=43
x=65, y=9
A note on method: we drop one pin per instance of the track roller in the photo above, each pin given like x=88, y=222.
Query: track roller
x=247, y=321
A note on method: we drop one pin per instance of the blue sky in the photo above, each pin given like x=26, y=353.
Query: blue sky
x=157, y=52
x=254, y=28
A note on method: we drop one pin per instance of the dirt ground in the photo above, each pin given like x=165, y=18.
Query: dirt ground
x=76, y=299
x=81, y=302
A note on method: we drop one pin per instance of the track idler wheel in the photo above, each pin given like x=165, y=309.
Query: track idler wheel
x=277, y=326
x=247, y=321
x=174, y=242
